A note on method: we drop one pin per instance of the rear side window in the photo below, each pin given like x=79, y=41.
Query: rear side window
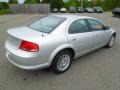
x=78, y=26
x=95, y=25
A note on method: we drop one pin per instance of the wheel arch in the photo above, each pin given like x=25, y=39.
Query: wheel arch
x=68, y=47
x=114, y=33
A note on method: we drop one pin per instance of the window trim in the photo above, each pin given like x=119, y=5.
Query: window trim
x=85, y=20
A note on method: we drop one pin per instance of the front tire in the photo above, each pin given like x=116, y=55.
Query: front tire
x=111, y=41
x=62, y=62
x=113, y=15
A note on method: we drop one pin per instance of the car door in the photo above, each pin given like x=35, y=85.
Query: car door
x=98, y=28
x=80, y=36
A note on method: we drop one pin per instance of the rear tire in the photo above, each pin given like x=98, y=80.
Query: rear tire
x=62, y=62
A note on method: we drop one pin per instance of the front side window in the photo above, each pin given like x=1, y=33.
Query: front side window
x=47, y=24
x=95, y=25
x=78, y=26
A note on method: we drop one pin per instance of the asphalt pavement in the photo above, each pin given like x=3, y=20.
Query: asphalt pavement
x=99, y=70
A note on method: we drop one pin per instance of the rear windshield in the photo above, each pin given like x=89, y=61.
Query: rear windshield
x=72, y=7
x=80, y=8
x=98, y=8
x=47, y=24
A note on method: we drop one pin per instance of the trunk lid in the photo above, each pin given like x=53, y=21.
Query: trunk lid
x=25, y=33
x=16, y=35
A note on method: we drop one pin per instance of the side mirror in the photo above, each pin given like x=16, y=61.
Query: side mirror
x=106, y=27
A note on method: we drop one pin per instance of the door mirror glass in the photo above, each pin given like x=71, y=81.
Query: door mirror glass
x=106, y=27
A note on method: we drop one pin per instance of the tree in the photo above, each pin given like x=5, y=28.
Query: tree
x=88, y=3
x=46, y=1
x=57, y=4
x=99, y=3
x=73, y=3
x=115, y=3
x=108, y=5
x=13, y=1
x=78, y=2
x=32, y=1
x=4, y=5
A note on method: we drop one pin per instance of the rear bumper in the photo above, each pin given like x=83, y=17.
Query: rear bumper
x=63, y=11
x=55, y=11
x=24, y=65
x=26, y=60
x=72, y=11
x=98, y=11
x=90, y=11
x=80, y=11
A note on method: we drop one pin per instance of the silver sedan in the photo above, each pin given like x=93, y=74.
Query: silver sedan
x=54, y=41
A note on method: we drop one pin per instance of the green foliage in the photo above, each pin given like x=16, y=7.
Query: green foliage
x=4, y=11
x=3, y=5
x=32, y=1
x=115, y=3
x=87, y=3
x=99, y=3
x=56, y=3
x=74, y=3
x=78, y=3
x=46, y=1
x=108, y=5
x=13, y=1
x=4, y=8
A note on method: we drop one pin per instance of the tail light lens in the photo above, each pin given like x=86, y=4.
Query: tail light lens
x=29, y=46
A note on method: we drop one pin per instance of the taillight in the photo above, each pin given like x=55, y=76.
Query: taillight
x=29, y=46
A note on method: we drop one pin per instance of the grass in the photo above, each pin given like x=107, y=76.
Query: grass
x=4, y=11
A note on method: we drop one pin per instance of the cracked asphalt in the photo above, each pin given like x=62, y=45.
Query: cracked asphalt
x=99, y=70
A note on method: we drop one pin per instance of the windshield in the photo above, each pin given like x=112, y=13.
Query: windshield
x=47, y=24
x=117, y=9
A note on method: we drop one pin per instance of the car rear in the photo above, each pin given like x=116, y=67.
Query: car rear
x=63, y=10
x=116, y=12
x=29, y=48
x=55, y=10
x=72, y=10
x=80, y=9
x=98, y=9
x=24, y=52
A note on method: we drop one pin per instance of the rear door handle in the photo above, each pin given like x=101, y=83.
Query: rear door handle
x=73, y=39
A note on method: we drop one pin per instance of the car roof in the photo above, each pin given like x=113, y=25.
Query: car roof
x=72, y=17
